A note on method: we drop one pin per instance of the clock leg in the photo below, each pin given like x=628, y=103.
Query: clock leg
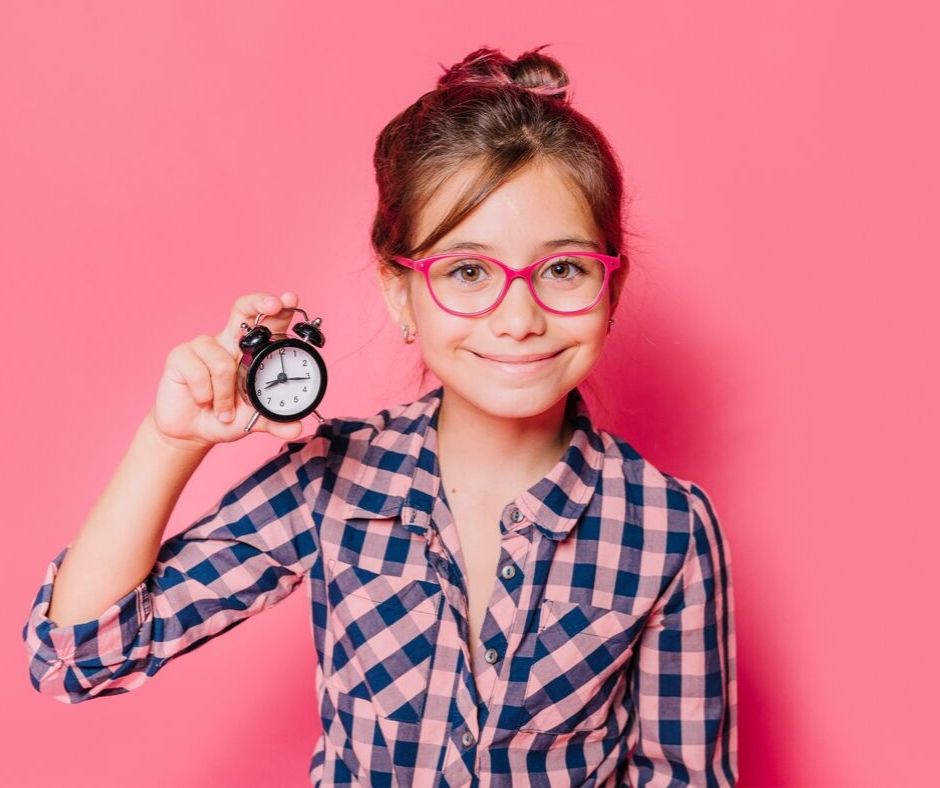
x=251, y=421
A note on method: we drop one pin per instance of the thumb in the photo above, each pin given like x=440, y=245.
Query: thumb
x=286, y=430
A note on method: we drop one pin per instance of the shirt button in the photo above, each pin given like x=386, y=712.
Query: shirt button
x=467, y=738
x=509, y=571
x=491, y=655
x=515, y=515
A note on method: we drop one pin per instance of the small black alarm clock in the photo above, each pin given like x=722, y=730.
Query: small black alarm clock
x=281, y=377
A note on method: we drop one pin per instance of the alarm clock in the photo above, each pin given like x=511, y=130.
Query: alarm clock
x=281, y=377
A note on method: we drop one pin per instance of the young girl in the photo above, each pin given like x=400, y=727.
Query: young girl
x=501, y=592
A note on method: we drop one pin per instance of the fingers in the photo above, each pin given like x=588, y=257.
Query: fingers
x=248, y=307
x=208, y=371
x=184, y=366
x=221, y=368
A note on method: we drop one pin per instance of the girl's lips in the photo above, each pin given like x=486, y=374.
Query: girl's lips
x=519, y=368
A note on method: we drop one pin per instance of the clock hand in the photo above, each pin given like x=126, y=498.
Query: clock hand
x=283, y=369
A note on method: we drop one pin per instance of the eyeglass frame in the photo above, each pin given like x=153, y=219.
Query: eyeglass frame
x=611, y=263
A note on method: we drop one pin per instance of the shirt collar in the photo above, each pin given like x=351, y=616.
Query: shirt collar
x=399, y=474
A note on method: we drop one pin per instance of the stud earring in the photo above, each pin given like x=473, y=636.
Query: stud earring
x=610, y=323
x=406, y=333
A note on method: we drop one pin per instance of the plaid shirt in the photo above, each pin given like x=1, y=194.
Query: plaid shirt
x=607, y=653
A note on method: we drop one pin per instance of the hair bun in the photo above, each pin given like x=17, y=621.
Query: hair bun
x=536, y=73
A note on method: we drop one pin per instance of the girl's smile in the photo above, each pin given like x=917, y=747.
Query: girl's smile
x=520, y=364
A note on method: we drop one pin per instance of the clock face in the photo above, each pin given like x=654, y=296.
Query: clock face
x=288, y=379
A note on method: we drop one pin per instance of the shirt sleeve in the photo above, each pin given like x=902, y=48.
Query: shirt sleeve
x=684, y=684
x=248, y=552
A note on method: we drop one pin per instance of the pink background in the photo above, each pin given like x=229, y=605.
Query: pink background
x=158, y=160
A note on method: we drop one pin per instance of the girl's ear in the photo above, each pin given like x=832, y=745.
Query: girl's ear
x=396, y=290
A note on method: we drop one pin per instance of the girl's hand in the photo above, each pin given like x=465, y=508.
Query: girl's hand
x=197, y=388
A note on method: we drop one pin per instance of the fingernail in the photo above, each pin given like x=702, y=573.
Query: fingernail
x=226, y=415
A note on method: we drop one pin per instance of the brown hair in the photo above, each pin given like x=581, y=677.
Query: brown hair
x=498, y=116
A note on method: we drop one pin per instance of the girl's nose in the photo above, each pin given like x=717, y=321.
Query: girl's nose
x=518, y=314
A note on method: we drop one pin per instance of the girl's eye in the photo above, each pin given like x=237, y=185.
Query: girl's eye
x=467, y=272
x=558, y=269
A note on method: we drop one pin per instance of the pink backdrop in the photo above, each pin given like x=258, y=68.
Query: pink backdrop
x=158, y=160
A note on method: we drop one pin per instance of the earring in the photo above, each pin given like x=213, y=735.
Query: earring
x=609, y=324
x=406, y=333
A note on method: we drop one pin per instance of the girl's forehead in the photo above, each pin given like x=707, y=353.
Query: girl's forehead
x=532, y=208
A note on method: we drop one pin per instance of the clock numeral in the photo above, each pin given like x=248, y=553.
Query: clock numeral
x=260, y=367
x=282, y=351
x=308, y=374
x=269, y=400
x=305, y=388
x=305, y=363
x=282, y=403
x=259, y=392
x=295, y=399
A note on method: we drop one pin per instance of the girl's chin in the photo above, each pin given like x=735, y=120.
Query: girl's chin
x=506, y=400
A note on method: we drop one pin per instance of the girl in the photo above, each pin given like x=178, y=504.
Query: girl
x=500, y=591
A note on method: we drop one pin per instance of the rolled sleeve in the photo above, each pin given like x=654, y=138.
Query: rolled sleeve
x=69, y=660
x=249, y=551
x=684, y=730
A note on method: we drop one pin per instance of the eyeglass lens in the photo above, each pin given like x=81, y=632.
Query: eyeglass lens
x=467, y=284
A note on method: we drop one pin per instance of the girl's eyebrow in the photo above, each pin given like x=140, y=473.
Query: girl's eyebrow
x=555, y=244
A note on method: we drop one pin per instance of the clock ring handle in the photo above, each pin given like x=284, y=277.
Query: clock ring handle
x=261, y=316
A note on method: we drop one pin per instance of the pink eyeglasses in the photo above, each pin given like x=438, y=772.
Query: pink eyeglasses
x=470, y=284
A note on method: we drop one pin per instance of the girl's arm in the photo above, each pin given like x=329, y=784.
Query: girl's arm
x=131, y=604
x=685, y=679
x=116, y=547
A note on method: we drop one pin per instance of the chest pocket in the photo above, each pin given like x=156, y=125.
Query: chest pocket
x=384, y=630
x=579, y=666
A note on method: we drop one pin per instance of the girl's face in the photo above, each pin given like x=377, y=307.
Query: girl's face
x=515, y=222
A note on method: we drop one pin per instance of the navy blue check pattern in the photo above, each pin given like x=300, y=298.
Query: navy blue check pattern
x=607, y=652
